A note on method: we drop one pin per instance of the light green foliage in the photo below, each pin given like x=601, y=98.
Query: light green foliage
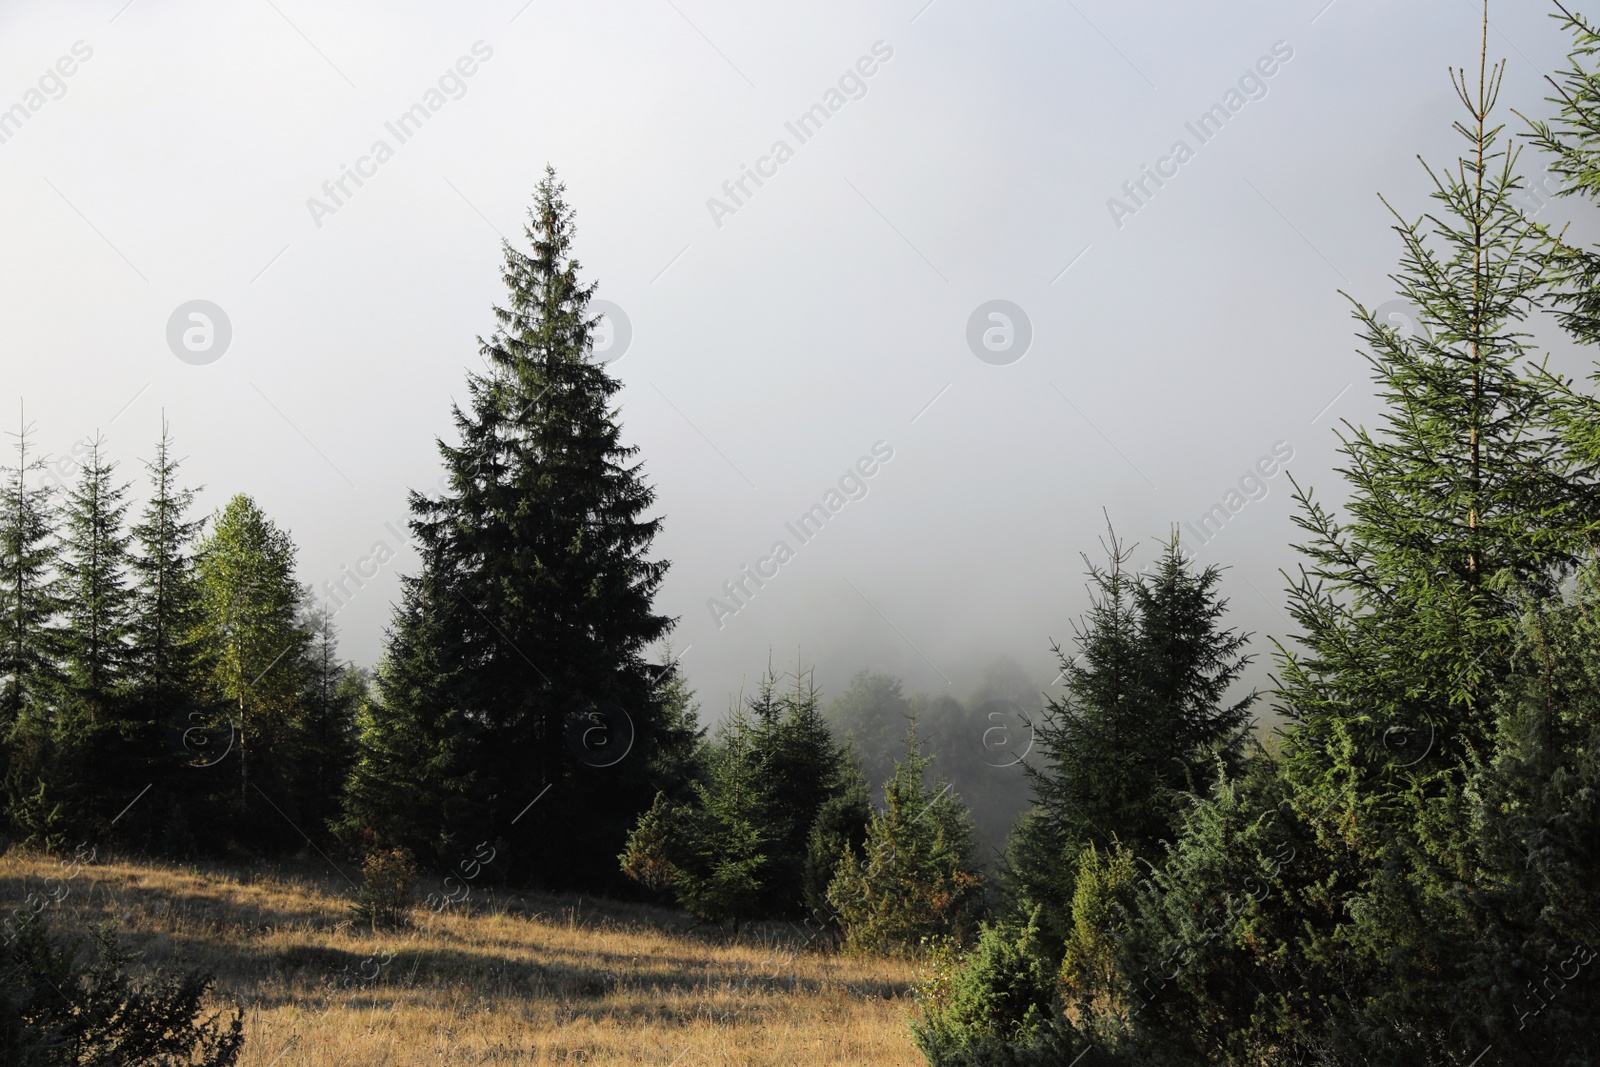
x=915, y=878
x=248, y=611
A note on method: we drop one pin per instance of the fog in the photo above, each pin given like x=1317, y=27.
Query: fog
x=784, y=334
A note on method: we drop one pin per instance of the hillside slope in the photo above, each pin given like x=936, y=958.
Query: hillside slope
x=502, y=980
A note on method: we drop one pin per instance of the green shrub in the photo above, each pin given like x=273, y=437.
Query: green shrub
x=56, y=1012
x=1002, y=989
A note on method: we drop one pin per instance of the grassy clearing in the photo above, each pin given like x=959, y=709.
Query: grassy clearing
x=525, y=979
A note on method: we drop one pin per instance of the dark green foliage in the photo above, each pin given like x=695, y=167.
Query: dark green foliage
x=524, y=635
x=57, y=1010
x=760, y=833
x=838, y=831
x=808, y=774
x=1535, y=813
x=1145, y=724
x=412, y=775
x=166, y=623
x=1397, y=888
x=712, y=852
x=94, y=567
x=29, y=591
x=30, y=673
x=1466, y=506
x=95, y=731
x=322, y=743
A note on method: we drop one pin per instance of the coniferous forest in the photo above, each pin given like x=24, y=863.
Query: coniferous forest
x=1390, y=855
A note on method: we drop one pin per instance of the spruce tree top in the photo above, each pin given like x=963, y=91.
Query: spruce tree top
x=543, y=497
x=1466, y=503
x=517, y=659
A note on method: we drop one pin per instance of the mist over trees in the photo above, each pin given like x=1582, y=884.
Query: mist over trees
x=1119, y=867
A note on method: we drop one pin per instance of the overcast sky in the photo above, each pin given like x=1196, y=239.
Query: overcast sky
x=959, y=153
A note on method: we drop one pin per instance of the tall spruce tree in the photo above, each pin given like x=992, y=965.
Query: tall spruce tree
x=94, y=738
x=1372, y=928
x=30, y=675
x=165, y=620
x=94, y=567
x=29, y=588
x=520, y=646
x=1469, y=505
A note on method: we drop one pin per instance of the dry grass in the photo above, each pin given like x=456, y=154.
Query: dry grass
x=518, y=980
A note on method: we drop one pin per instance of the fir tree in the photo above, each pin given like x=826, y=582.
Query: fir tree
x=29, y=589
x=915, y=878
x=1375, y=931
x=713, y=852
x=1146, y=723
x=325, y=724
x=165, y=619
x=806, y=770
x=534, y=606
x=30, y=677
x=94, y=567
x=1466, y=503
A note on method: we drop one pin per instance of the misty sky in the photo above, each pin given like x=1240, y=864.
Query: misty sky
x=957, y=153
